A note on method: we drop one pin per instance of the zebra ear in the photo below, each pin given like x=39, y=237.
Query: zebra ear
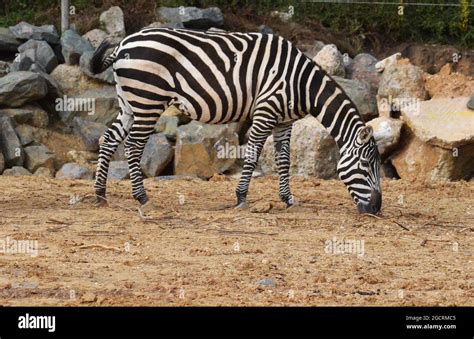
x=365, y=134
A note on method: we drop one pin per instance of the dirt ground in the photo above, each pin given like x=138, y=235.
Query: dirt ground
x=192, y=250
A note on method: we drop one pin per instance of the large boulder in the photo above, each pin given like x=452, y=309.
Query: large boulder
x=85, y=66
x=31, y=114
x=439, y=143
x=72, y=170
x=26, y=31
x=89, y=132
x=401, y=84
x=312, y=50
x=95, y=37
x=18, y=88
x=25, y=134
x=38, y=53
x=16, y=171
x=118, y=170
x=313, y=152
x=361, y=94
x=386, y=134
x=192, y=17
x=38, y=156
x=8, y=42
x=362, y=68
x=112, y=21
x=157, y=154
x=10, y=144
x=331, y=60
x=198, y=148
x=73, y=46
x=104, y=103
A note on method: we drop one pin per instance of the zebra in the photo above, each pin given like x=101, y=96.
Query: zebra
x=223, y=77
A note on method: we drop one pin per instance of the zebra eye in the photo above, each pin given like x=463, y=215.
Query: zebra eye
x=364, y=163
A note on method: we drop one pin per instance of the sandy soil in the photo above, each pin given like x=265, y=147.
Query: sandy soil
x=193, y=252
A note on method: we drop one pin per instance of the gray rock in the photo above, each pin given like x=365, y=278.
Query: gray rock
x=89, y=132
x=330, y=59
x=31, y=114
x=168, y=125
x=16, y=171
x=112, y=21
x=38, y=156
x=10, y=144
x=25, y=134
x=267, y=282
x=38, y=53
x=73, y=46
x=95, y=37
x=18, y=88
x=44, y=172
x=2, y=162
x=8, y=42
x=363, y=69
x=313, y=50
x=386, y=134
x=192, y=17
x=201, y=148
x=72, y=170
x=118, y=170
x=470, y=103
x=85, y=62
x=362, y=95
x=4, y=68
x=26, y=31
x=313, y=152
x=157, y=155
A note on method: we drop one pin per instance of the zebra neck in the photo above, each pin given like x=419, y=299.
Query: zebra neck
x=335, y=110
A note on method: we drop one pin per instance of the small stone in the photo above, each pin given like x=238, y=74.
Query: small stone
x=16, y=171
x=267, y=282
x=74, y=171
x=88, y=297
x=470, y=103
x=261, y=207
x=44, y=172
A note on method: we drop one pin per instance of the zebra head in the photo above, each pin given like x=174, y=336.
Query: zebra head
x=359, y=169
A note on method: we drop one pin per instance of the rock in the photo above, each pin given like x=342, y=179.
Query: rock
x=168, y=125
x=362, y=68
x=313, y=152
x=267, y=282
x=330, y=60
x=95, y=37
x=118, y=170
x=470, y=103
x=440, y=142
x=38, y=156
x=38, y=53
x=362, y=95
x=4, y=68
x=70, y=78
x=8, y=42
x=44, y=172
x=26, y=31
x=112, y=21
x=387, y=62
x=264, y=29
x=401, y=84
x=192, y=17
x=81, y=157
x=157, y=155
x=16, y=171
x=386, y=133
x=25, y=134
x=73, y=46
x=10, y=144
x=31, y=114
x=89, y=132
x=199, y=146
x=314, y=49
x=72, y=170
x=18, y=88
x=261, y=207
x=84, y=63
x=2, y=162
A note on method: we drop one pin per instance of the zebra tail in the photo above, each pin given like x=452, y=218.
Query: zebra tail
x=103, y=56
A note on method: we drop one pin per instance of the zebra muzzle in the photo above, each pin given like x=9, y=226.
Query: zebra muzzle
x=373, y=205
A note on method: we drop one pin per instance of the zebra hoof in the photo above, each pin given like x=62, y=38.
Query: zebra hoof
x=146, y=208
x=241, y=206
x=100, y=201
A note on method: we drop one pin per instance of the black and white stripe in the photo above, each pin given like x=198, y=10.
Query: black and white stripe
x=220, y=77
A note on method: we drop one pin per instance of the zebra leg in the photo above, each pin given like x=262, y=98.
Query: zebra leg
x=108, y=145
x=281, y=138
x=261, y=128
x=134, y=145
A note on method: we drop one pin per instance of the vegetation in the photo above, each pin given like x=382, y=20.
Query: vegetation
x=398, y=20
